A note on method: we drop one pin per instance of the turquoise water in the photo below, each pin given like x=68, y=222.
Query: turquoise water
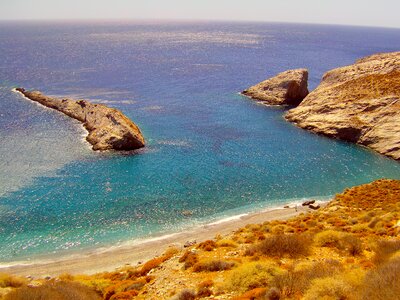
x=210, y=151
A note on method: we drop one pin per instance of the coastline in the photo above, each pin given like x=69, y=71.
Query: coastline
x=131, y=254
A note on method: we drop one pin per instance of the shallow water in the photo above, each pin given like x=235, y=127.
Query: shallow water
x=211, y=153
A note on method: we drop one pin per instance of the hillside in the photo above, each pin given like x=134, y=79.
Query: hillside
x=346, y=250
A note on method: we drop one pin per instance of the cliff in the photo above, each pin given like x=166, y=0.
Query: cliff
x=286, y=88
x=359, y=103
x=108, y=128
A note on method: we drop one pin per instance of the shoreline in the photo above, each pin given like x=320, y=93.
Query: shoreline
x=131, y=254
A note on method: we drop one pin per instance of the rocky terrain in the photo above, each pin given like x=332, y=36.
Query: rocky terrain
x=286, y=88
x=359, y=103
x=108, y=128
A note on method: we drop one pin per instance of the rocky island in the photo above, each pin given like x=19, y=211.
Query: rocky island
x=359, y=103
x=286, y=88
x=109, y=129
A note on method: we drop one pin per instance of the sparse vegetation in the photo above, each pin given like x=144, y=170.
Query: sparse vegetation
x=252, y=275
x=54, y=290
x=348, y=250
x=279, y=245
x=213, y=266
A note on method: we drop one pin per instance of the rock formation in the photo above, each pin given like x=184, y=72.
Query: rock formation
x=359, y=103
x=108, y=128
x=286, y=88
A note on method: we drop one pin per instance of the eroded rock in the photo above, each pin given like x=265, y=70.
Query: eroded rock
x=109, y=129
x=359, y=103
x=286, y=88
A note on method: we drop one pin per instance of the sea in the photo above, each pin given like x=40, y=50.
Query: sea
x=211, y=153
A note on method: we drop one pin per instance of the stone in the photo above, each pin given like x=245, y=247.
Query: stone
x=286, y=88
x=306, y=203
x=109, y=129
x=314, y=206
x=359, y=103
x=189, y=243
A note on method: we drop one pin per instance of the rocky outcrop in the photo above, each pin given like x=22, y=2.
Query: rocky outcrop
x=359, y=103
x=286, y=88
x=108, y=128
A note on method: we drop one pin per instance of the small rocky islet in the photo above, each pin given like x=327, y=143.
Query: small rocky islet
x=359, y=103
x=109, y=128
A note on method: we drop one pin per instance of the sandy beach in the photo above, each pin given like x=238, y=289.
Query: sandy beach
x=112, y=258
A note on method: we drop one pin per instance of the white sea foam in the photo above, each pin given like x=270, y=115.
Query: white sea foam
x=227, y=219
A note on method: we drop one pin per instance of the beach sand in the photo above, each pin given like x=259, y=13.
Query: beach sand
x=112, y=258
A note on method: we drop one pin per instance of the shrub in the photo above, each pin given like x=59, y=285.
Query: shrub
x=226, y=243
x=351, y=245
x=185, y=294
x=292, y=245
x=328, y=238
x=205, y=284
x=208, y=245
x=189, y=259
x=383, y=283
x=328, y=288
x=342, y=241
x=54, y=290
x=273, y=294
x=11, y=281
x=297, y=279
x=251, y=275
x=360, y=228
x=384, y=249
x=155, y=262
x=204, y=292
x=213, y=266
x=257, y=293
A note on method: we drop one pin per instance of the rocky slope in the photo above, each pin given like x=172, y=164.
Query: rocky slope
x=286, y=88
x=108, y=128
x=359, y=103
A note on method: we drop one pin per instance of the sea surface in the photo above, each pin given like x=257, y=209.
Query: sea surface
x=211, y=153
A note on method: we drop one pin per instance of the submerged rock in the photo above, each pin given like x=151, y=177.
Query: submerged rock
x=286, y=88
x=359, y=103
x=109, y=129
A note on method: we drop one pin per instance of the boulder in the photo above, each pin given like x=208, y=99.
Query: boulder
x=359, y=103
x=306, y=203
x=286, y=88
x=109, y=129
x=314, y=206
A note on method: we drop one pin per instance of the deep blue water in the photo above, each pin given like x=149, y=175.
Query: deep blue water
x=210, y=151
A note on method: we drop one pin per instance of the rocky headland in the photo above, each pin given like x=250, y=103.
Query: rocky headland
x=286, y=88
x=109, y=129
x=359, y=103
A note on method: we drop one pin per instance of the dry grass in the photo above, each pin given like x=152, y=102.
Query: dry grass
x=297, y=279
x=344, y=242
x=208, y=245
x=11, y=281
x=189, y=259
x=383, y=283
x=251, y=275
x=280, y=245
x=384, y=249
x=213, y=266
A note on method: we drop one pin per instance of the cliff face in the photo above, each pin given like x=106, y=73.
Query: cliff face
x=286, y=88
x=108, y=128
x=359, y=103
